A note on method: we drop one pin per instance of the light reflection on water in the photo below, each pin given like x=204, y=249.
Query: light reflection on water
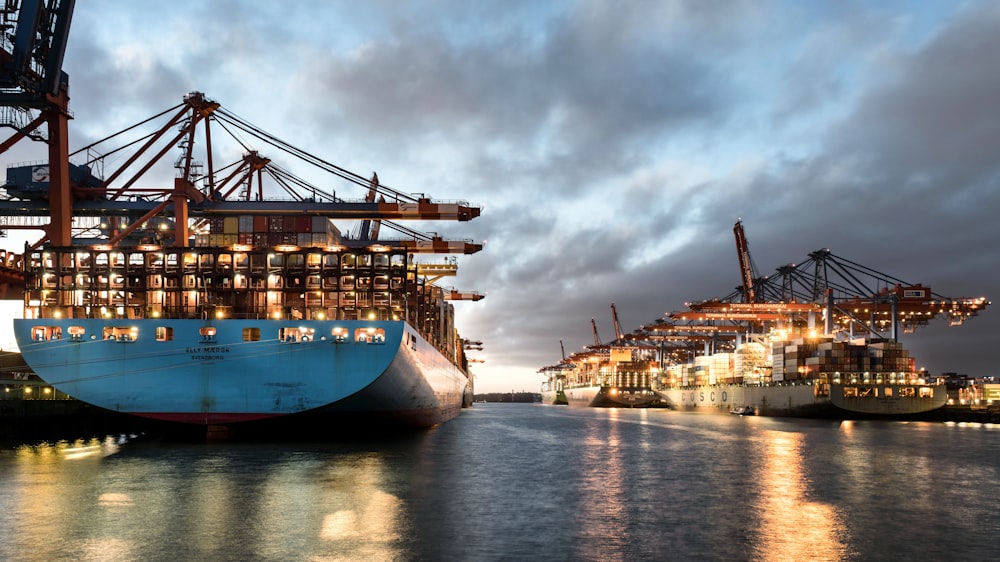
x=518, y=482
x=792, y=526
x=602, y=515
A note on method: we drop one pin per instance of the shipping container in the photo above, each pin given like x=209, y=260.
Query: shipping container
x=245, y=223
x=259, y=223
x=275, y=224
x=320, y=224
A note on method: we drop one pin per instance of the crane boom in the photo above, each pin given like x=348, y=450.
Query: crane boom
x=597, y=339
x=746, y=264
x=617, y=325
x=367, y=232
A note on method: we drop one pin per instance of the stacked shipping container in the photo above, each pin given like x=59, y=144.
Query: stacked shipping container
x=268, y=231
x=797, y=359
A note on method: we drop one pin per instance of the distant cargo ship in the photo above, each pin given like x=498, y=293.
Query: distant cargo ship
x=814, y=377
x=553, y=387
x=617, y=375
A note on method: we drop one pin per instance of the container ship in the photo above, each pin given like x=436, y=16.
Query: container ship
x=553, y=389
x=817, y=339
x=805, y=376
x=211, y=302
x=620, y=374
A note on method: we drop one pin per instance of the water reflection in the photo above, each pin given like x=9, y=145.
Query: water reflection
x=602, y=514
x=792, y=526
x=81, y=501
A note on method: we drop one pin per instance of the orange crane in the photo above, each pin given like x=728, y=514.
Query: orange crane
x=368, y=230
x=619, y=336
x=746, y=263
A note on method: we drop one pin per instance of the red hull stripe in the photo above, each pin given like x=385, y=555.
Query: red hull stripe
x=203, y=418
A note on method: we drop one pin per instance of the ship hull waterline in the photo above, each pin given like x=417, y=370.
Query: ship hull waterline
x=595, y=396
x=808, y=399
x=225, y=379
x=554, y=397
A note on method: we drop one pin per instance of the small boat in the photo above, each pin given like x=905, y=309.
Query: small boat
x=742, y=411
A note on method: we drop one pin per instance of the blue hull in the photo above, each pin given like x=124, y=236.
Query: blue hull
x=225, y=371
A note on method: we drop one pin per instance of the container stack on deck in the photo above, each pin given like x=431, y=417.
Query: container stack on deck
x=751, y=363
x=268, y=231
x=801, y=358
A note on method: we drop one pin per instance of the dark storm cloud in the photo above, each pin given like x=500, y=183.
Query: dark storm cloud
x=567, y=107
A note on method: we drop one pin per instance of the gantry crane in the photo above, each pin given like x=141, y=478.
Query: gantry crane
x=32, y=80
x=847, y=296
x=747, y=268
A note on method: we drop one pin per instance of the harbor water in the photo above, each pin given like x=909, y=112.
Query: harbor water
x=518, y=482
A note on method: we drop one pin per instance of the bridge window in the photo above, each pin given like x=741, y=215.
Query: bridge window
x=164, y=333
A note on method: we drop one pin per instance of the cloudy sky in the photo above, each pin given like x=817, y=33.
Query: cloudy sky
x=611, y=145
